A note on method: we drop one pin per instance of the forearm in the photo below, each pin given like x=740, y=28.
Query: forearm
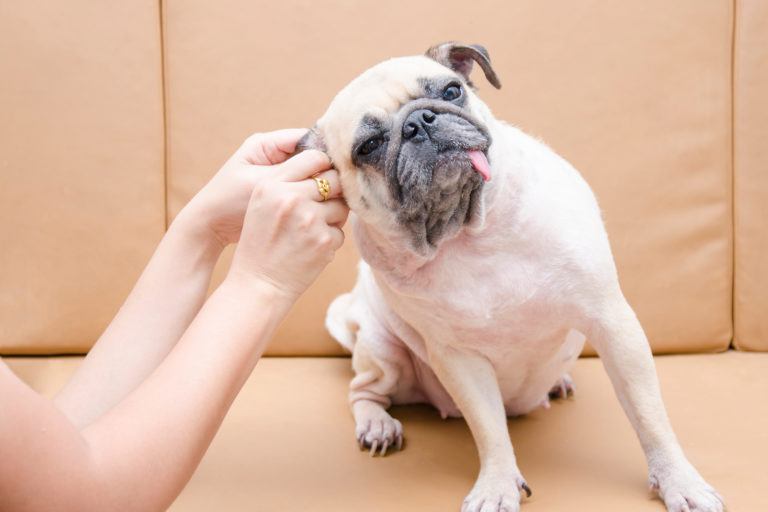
x=44, y=458
x=144, y=407
x=175, y=413
x=161, y=305
x=139, y=455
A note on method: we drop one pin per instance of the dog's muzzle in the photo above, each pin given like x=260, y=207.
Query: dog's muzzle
x=435, y=167
x=420, y=126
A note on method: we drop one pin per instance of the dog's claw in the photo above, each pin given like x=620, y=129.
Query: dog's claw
x=683, y=490
x=563, y=388
x=497, y=493
x=379, y=433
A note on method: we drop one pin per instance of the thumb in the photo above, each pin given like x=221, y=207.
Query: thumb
x=272, y=147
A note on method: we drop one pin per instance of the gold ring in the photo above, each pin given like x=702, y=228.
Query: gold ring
x=323, y=186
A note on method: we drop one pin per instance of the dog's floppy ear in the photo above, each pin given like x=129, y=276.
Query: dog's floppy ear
x=460, y=57
x=311, y=140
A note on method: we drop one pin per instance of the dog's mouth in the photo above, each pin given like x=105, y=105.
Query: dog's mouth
x=436, y=166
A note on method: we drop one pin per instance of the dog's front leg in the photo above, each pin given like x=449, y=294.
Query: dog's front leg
x=471, y=381
x=621, y=343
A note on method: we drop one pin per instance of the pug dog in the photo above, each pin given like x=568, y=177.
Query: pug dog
x=485, y=267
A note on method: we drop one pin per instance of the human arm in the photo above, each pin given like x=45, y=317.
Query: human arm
x=174, y=284
x=139, y=455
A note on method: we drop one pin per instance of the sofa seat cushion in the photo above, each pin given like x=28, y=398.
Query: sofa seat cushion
x=288, y=443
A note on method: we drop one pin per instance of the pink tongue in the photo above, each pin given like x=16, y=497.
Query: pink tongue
x=480, y=163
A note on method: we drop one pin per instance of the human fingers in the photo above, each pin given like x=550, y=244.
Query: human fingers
x=304, y=165
x=334, y=212
x=337, y=237
x=271, y=148
x=315, y=184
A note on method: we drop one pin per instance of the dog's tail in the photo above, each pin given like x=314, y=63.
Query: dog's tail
x=340, y=321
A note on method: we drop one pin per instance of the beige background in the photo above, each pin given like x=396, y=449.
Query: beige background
x=636, y=94
x=81, y=166
x=751, y=175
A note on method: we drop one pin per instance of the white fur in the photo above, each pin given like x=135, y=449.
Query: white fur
x=486, y=325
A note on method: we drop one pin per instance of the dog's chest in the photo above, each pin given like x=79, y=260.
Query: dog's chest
x=516, y=312
x=504, y=302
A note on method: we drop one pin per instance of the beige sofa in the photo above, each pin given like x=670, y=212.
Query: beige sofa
x=115, y=113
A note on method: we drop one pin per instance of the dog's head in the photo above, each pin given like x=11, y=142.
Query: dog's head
x=410, y=140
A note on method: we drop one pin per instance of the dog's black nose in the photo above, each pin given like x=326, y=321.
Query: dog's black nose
x=418, y=124
x=410, y=130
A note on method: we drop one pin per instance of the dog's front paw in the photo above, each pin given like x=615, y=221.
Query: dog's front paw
x=376, y=429
x=496, y=493
x=684, y=490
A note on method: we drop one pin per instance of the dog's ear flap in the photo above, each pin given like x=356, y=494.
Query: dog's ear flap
x=460, y=58
x=311, y=140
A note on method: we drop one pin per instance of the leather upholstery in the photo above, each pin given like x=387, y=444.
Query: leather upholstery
x=640, y=103
x=288, y=442
x=750, y=161
x=81, y=166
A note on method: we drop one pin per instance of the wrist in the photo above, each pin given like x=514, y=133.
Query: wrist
x=195, y=233
x=247, y=285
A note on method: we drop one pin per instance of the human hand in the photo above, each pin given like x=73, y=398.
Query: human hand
x=290, y=233
x=216, y=212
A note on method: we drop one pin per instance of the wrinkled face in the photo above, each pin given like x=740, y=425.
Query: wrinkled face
x=409, y=141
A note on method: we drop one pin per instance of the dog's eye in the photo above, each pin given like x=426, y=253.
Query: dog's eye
x=452, y=92
x=370, y=145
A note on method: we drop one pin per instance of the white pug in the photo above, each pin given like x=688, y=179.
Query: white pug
x=486, y=264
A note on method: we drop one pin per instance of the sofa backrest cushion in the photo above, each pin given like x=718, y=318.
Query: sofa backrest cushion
x=81, y=166
x=635, y=94
x=750, y=160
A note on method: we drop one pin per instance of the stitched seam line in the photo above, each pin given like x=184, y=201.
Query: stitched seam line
x=733, y=171
x=164, y=99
